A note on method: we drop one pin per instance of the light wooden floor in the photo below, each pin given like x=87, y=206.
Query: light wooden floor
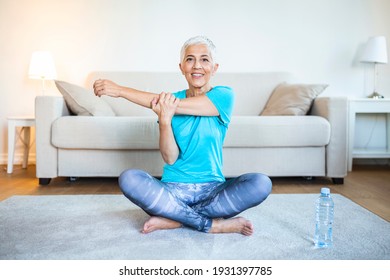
x=368, y=186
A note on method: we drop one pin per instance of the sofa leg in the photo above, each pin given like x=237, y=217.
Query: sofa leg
x=338, y=181
x=73, y=179
x=44, y=181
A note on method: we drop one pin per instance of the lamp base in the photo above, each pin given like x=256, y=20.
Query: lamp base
x=376, y=95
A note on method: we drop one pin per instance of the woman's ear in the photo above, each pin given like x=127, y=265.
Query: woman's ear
x=181, y=69
x=216, y=65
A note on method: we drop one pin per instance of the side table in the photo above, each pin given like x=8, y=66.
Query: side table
x=25, y=123
x=367, y=106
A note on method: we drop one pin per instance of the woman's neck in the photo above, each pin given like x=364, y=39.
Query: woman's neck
x=192, y=91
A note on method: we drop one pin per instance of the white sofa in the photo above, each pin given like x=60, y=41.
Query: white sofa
x=313, y=145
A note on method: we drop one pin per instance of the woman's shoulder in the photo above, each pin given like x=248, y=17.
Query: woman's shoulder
x=180, y=94
x=223, y=88
x=226, y=90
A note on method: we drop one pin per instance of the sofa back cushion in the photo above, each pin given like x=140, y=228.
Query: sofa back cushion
x=252, y=89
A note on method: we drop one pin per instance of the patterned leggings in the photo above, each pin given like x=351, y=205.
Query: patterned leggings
x=194, y=204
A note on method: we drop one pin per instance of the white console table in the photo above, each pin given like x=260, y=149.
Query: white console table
x=25, y=123
x=368, y=106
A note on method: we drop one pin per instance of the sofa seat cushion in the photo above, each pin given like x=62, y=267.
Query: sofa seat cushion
x=84, y=132
x=278, y=131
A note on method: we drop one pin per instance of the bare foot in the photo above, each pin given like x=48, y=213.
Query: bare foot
x=157, y=223
x=234, y=225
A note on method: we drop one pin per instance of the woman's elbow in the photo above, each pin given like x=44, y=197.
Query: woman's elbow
x=170, y=162
x=170, y=159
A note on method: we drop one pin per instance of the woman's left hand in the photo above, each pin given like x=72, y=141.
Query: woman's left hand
x=165, y=107
x=107, y=87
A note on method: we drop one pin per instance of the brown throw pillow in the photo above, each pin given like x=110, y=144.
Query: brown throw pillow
x=292, y=99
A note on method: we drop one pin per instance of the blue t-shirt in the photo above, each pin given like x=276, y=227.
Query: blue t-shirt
x=200, y=140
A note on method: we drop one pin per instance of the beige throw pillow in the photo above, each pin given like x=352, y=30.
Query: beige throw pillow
x=292, y=99
x=82, y=102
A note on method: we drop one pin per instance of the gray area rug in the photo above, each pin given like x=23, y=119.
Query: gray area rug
x=107, y=227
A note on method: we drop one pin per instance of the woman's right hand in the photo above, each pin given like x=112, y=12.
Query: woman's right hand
x=164, y=105
x=106, y=87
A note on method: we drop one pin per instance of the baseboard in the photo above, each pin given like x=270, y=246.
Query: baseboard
x=18, y=158
x=370, y=161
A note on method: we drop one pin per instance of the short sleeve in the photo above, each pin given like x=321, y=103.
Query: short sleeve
x=223, y=99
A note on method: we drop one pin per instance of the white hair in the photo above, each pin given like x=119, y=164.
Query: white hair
x=199, y=40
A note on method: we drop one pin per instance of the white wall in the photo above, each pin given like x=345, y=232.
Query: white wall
x=317, y=40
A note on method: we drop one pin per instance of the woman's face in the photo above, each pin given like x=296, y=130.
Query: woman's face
x=197, y=66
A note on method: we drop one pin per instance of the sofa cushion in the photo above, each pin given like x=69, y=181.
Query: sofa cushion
x=82, y=102
x=278, y=131
x=292, y=99
x=74, y=132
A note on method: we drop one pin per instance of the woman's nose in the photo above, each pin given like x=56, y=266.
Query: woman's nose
x=197, y=65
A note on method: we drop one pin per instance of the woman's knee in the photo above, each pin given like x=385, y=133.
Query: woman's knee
x=131, y=179
x=261, y=185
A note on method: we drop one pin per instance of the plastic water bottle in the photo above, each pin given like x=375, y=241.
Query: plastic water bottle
x=324, y=220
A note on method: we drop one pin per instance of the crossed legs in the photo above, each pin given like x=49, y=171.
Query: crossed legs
x=207, y=207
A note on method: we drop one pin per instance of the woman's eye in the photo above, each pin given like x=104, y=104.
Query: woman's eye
x=189, y=59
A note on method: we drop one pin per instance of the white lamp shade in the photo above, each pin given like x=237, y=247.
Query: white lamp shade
x=375, y=50
x=42, y=66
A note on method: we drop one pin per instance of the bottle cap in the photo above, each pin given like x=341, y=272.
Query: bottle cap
x=325, y=190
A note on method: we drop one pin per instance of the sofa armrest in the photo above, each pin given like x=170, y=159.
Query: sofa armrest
x=47, y=109
x=335, y=110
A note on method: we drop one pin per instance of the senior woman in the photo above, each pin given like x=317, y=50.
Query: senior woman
x=193, y=123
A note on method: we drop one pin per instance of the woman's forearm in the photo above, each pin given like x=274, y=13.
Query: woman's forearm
x=138, y=97
x=165, y=106
x=109, y=88
x=168, y=147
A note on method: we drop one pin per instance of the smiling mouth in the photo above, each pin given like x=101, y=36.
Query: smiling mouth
x=197, y=75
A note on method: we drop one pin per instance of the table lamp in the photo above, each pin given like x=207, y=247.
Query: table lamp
x=375, y=52
x=42, y=67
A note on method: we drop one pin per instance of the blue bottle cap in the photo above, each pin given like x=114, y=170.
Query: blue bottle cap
x=325, y=191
